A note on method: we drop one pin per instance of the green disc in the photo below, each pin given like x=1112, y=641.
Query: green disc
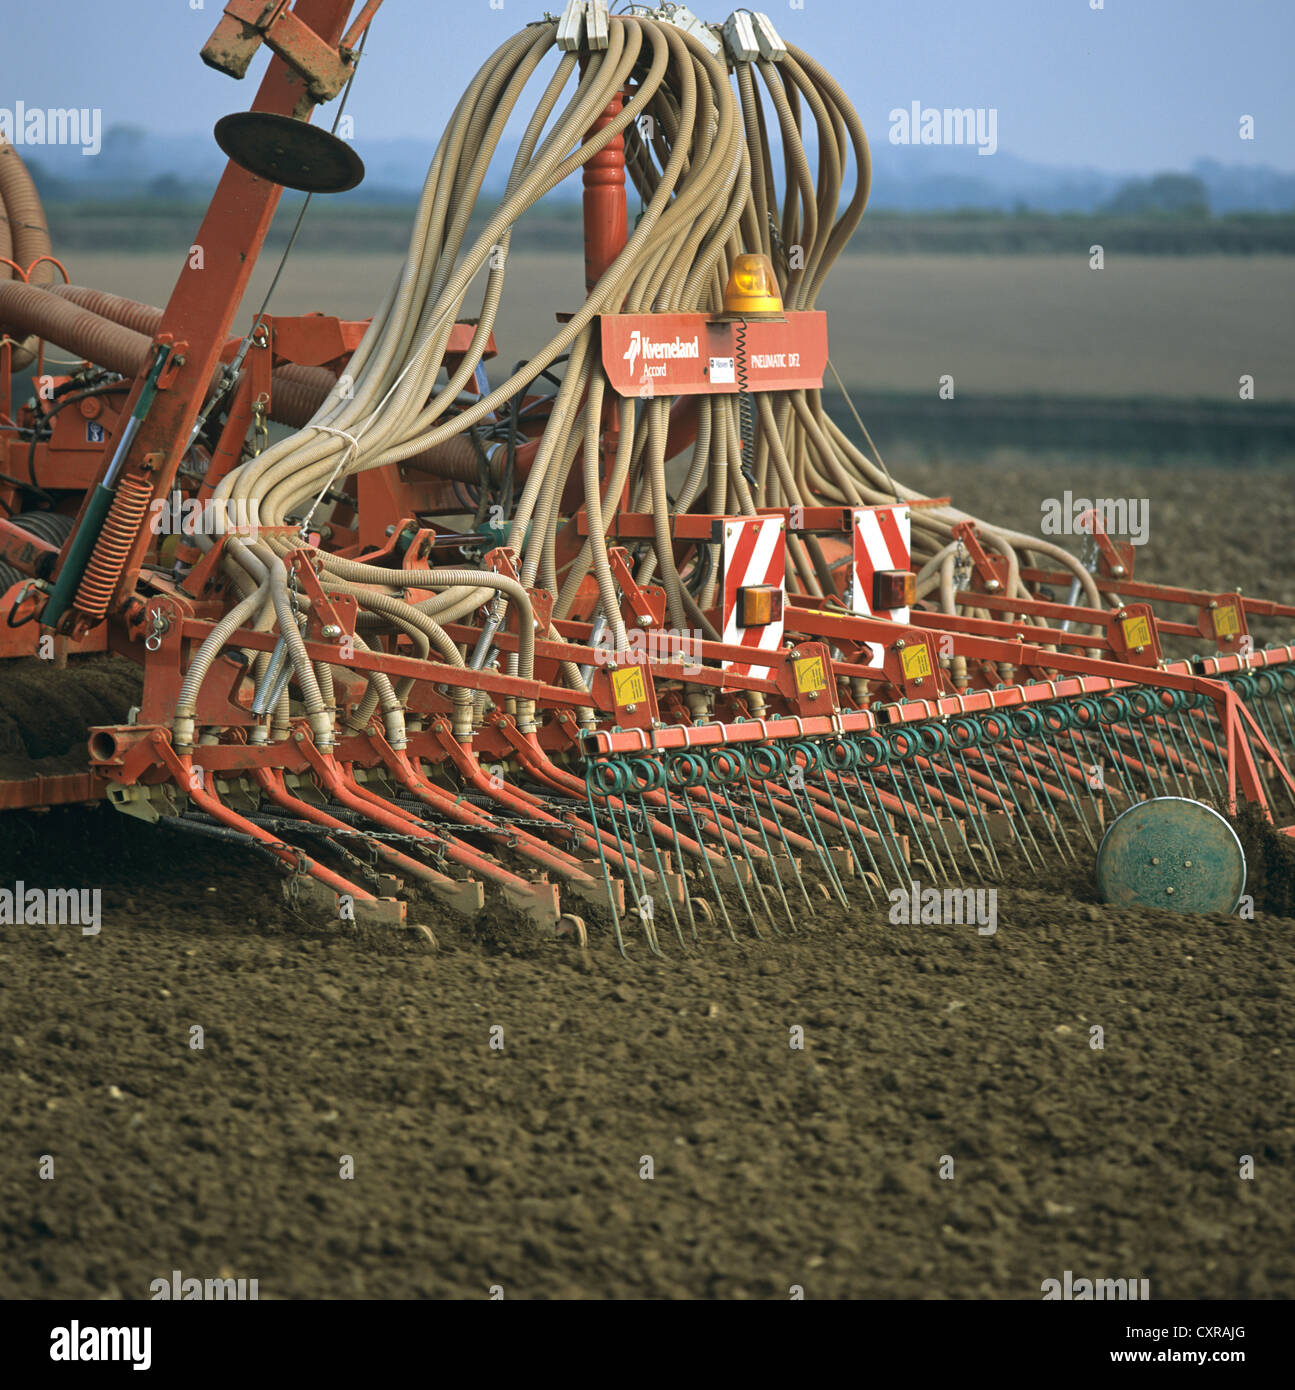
x=1171, y=852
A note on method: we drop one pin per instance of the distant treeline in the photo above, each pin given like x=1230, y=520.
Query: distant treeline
x=157, y=224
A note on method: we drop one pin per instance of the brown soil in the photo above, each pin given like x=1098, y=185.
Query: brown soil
x=45, y=712
x=773, y=1167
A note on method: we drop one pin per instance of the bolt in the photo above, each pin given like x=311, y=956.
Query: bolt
x=1213, y=604
x=918, y=681
x=645, y=620
x=1155, y=860
x=900, y=645
x=1187, y=863
x=1118, y=571
x=1139, y=650
x=331, y=631
x=993, y=586
x=390, y=531
x=1169, y=890
x=813, y=694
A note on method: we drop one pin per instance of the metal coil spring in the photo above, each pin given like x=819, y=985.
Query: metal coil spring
x=112, y=549
x=746, y=416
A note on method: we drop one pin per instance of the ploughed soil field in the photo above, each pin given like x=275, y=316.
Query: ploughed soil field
x=646, y=1128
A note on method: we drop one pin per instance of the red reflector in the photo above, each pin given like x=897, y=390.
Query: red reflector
x=893, y=589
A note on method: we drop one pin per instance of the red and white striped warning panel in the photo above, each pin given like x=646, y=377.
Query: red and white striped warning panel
x=882, y=541
x=755, y=552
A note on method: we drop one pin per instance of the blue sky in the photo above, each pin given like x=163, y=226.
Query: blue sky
x=1136, y=86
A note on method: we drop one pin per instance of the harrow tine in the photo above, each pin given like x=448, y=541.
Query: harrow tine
x=614, y=775
x=684, y=770
x=645, y=903
x=1035, y=789
x=594, y=775
x=761, y=756
x=1168, y=750
x=1031, y=724
x=836, y=756
x=759, y=821
x=933, y=757
x=1093, y=764
x=1256, y=689
x=934, y=818
x=955, y=818
x=656, y=853
x=882, y=824
x=970, y=798
x=794, y=781
x=903, y=746
x=918, y=832
x=1200, y=728
x=1192, y=769
x=728, y=850
x=679, y=858
x=1278, y=691
x=1153, y=765
x=726, y=767
x=881, y=753
x=536, y=761
x=1016, y=823
x=1128, y=768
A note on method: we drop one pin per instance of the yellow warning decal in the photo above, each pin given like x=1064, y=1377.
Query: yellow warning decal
x=1227, y=621
x=1137, y=632
x=810, y=674
x=917, y=662
x=628, y=686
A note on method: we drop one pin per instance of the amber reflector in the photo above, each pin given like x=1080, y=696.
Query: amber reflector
x=758, y=605
x=893, y=589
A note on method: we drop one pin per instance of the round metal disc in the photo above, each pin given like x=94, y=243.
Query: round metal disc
x=1171, y=852
x=292, y=153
